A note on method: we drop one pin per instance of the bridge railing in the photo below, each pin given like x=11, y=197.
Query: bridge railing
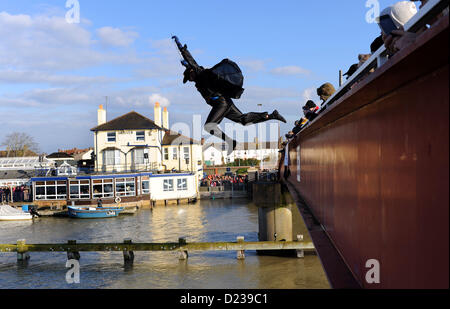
x=380, y=57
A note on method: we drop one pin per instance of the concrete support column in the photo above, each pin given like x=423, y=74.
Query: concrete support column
x=274, y=213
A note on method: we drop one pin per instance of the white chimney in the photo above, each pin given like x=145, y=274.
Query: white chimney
x=165, y=119
x=101, y=115
x=157, y=114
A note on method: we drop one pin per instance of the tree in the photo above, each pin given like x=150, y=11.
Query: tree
x=20, y=145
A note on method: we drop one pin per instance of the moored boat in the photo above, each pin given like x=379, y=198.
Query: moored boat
x=94, y=212
x=8, y=213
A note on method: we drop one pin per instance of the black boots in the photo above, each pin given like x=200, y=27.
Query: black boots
x=276, y=116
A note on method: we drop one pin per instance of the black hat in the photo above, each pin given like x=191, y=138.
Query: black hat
x=353, y=68
x=376, y=44
x=310, y=104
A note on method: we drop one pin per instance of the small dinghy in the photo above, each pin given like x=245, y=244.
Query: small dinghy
x=94, y=212
x=8, y=213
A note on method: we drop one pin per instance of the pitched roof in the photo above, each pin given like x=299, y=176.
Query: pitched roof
x=130, y=121
x=59, y=155
x=16, y=174
x=173, y=138
x=218, y=146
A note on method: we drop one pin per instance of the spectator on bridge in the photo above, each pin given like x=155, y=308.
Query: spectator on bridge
x=325, y=92
x=353, y=68
x=376, y=44
x=362, y=59
x=391, y=22
x=400, y=38
x=310, y=112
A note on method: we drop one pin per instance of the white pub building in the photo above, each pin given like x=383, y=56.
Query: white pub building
x=137, y=161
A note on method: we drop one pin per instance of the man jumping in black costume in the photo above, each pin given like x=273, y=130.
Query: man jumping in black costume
x=209, y=86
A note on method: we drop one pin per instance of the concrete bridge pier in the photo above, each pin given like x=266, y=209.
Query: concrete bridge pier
x=275, y=218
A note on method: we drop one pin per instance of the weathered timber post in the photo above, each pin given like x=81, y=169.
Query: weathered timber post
x=72, y=254
x=240, y=253
x=128, y=255
x=22, y=252
x=300, y=253
x=183, y=255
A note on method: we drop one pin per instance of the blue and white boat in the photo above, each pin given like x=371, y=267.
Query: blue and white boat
x=94, y=212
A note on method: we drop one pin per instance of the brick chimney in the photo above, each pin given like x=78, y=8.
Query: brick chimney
x=165, y=120
x=101, y=116
x=157, y=111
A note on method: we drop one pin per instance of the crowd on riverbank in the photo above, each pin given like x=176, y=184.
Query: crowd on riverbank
x=16, y=194
x=222, y=180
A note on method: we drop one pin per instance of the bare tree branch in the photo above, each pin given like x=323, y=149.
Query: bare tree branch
x=20, y=145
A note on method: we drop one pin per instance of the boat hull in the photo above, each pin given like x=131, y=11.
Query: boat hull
x=94, y=213
x=16, y=218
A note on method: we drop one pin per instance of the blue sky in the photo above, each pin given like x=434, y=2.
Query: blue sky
x=53, y=75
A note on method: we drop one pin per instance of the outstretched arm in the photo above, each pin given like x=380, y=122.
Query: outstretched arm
x=188, y=60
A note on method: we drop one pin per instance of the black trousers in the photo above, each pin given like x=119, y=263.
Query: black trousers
x=225, y=108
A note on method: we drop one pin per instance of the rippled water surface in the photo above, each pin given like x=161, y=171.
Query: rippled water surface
x=206, y=221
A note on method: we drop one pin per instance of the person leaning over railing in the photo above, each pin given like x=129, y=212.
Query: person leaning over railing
x=399, y=38
x=362, y=58
x=310, y=113
x=325, y=92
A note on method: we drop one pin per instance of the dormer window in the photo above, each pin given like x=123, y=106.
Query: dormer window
x=140, y=136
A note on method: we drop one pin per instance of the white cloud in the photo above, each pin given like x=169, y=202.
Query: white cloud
x=156, y=97
x=17, y=21
x=45, y=43
x=290, y=70
x=24, y=77
x=253, y=65
x=116, y=37
x=310, y=94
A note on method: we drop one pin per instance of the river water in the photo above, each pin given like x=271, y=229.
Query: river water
x=206, y=221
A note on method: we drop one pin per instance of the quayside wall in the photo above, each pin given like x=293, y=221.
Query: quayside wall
x=374, y=168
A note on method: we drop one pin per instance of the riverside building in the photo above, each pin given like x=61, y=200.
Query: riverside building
x=138, y=162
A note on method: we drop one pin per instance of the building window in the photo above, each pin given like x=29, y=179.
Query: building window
x=139, y=156
x=186, y=154
x=79, y=190
x=51, y=190
x=166, y=154
x=182, y=184
x=102, y=188
x=175, y=154
x=168, y=185
x=111, y=157
x=111, y=137
x=140, y=136
x=125, y=187
x=145, y=185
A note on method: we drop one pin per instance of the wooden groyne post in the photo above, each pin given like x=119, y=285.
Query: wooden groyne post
x=128, y=255
x=22, y=252
x=73, y=248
